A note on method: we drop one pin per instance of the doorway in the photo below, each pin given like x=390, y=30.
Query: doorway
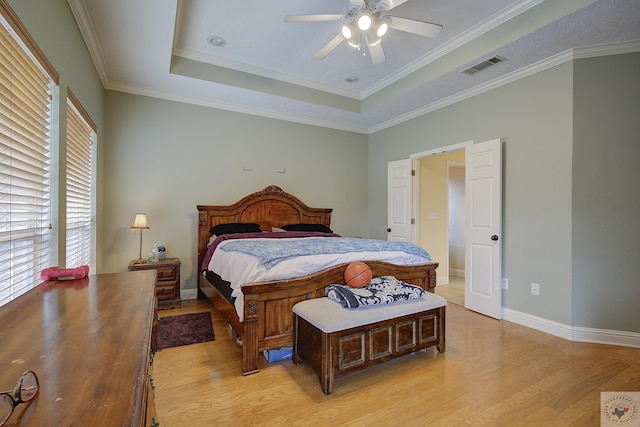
x=441, y=218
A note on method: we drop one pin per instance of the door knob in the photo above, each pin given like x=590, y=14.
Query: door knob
x=494, y=237
x=388, y=230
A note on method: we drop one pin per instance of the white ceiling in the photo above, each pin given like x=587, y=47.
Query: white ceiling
x=160, y=48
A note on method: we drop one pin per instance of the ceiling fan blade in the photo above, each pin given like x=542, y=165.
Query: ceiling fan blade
x=421, y=28
x=375, y=51
x=311, y=18
x=329, y=47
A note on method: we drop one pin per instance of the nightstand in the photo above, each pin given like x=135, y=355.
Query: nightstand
x=168, y=278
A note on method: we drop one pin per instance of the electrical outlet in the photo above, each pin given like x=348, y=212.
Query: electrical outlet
x=535, y=289
x=505, y=283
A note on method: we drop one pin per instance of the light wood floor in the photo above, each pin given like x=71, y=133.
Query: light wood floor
x=494, y=373
x=452, y=291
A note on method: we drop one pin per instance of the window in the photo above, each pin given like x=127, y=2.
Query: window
x=81, y=137
x=27, y=82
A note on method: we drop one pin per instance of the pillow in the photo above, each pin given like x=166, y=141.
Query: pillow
x=381, y=290
x=307, y=227
x=234, y=228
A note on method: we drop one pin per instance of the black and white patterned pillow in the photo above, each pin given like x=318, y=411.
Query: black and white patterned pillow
x=381, y=290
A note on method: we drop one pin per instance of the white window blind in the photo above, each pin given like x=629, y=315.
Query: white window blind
x=25, y=127
x=81, y=136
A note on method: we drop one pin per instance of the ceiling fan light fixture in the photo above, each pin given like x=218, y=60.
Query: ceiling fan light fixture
x=364, y=21
x=346, y=32
x=365, y=24
x=355, y=42
x=374, y=41
x=382, y=29
x=382, y=26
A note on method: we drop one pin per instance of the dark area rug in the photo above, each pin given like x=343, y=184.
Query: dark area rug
x=184, y=329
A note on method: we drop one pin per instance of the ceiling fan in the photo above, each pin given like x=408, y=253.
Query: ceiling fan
x=366, y=22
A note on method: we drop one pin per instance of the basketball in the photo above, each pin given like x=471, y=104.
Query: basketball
x=357, y=274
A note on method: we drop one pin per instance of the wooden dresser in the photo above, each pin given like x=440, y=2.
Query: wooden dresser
x=89, y=341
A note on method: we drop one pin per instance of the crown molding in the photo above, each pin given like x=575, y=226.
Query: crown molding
x=171, y=96
x=81, y=16
x=553, y=61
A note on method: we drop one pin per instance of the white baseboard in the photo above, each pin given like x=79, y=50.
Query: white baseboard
x=572, y=333
x=603, y=336
x=456, y=272
x=538, y=323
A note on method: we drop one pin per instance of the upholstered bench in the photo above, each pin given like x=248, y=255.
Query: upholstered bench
x=335, y=340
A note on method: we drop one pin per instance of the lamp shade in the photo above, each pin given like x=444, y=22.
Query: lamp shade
x=140, y=222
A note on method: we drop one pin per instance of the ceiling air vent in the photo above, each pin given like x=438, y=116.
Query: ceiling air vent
x=483, y=65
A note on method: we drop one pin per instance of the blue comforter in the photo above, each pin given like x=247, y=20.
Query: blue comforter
x=272, y=251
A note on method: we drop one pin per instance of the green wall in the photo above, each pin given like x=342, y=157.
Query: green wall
x=533, y=117
x=166, y=157
x=606, y=194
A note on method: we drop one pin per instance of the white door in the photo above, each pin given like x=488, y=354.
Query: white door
x=399, y=201
x=483, y=247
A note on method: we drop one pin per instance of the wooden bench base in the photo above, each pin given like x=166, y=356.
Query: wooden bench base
x=337, y=353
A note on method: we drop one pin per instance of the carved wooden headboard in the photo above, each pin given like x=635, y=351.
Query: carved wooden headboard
x=270, y=207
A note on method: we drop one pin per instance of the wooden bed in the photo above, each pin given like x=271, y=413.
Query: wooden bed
x=268, y=316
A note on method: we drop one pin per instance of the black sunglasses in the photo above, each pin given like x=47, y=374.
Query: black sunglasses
x=25, y=391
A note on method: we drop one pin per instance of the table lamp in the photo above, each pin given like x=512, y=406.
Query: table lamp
x=140, y=223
